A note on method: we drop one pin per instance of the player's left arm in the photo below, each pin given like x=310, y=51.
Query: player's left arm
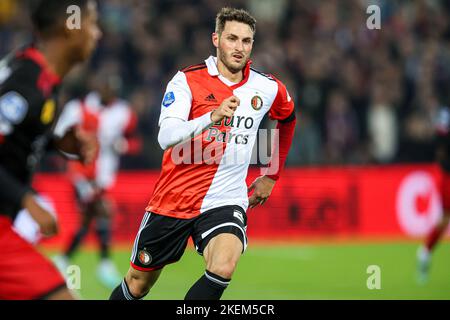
x=282, y=110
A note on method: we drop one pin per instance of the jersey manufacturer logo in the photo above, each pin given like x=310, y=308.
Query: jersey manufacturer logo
x=13, y=107
x=211, y=98
x=144, y=257
x=48, y=112
x=169, y=98
x=257, y=103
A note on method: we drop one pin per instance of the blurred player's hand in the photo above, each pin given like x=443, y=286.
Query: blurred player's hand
x=45, y=220
x=226, y=109
x=263, y=188
x=88, y=145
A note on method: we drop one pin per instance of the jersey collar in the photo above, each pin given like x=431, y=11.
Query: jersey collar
x=211, y=64
x=36, y=56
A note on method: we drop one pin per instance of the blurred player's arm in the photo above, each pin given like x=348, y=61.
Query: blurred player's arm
x=131, y=142
x=70, y=140
x=20, y=105
x=282, y=110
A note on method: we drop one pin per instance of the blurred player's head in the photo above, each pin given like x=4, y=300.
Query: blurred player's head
x=233, y=37
x=55, y=20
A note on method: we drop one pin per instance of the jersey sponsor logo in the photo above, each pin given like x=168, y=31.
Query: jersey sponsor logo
x=169, y=98
x=257, y=103
x=48, y=112
x=144, y=257
x=13, y=107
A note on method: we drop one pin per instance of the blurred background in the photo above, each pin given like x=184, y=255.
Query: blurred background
x=360, y=187
x=364, y=96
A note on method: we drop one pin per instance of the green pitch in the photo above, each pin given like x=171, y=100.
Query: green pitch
x=297, y=272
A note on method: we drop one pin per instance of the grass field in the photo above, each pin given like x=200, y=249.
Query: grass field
x=318, y=271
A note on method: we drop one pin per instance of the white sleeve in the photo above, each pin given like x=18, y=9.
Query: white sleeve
x=70, y=116
x=177, y=99
x=174, y=130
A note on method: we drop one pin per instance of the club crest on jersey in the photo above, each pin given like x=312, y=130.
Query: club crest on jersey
x=169, y=98
x=13, y=107
x=144, y=257
x=48, y=112
x=257, y=103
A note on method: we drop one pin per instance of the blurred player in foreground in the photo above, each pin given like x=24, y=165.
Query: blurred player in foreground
x=424, y=252
x=29, y=81
x=218, y=105
x=112, y=120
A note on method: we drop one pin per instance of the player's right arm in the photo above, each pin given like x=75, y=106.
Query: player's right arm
x=20, y=104
x=175, y=108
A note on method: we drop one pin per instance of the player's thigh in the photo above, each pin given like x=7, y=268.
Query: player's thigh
x=160, y=240
x=223, y=249
x=24, y=272
x=222, y=228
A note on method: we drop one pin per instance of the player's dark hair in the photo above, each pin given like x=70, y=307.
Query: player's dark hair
x=233, y=14
x=47, y=15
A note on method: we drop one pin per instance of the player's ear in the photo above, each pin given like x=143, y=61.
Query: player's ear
x=215, y=39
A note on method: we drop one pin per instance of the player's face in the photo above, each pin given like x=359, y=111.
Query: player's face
x=234, y=45
x=89, y=34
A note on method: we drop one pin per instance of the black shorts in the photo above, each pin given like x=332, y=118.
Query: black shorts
x=162, y=240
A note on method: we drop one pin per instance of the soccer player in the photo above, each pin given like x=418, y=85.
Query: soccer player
x=218, y=104
x=113, y=121
x=425, y=251
x=29, y=81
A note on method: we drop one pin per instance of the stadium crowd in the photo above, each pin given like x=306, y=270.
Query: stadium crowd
x=363, y=96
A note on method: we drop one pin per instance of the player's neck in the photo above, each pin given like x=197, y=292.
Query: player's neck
x=55, y=57
x=235, y=77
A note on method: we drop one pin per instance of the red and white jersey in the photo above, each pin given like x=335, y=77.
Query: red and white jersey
x=185, y=190
x=113, y=122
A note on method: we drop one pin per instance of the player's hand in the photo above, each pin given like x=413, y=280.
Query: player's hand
x=226, y=109
x=45, y=220
x=262, y=187
x=88, y=145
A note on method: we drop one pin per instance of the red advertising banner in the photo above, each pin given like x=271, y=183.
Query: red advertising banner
x=379, y=201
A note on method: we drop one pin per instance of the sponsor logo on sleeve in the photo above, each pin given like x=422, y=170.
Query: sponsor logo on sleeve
x=169, y=98
x=13, y=107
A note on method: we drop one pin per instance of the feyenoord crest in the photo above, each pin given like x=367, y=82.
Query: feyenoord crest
x=144, y=257
x=257, y=102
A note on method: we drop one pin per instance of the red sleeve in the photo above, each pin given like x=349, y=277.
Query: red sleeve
x=283, y=110
x=283, y=140
x=283, y=106
x=133, y=140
